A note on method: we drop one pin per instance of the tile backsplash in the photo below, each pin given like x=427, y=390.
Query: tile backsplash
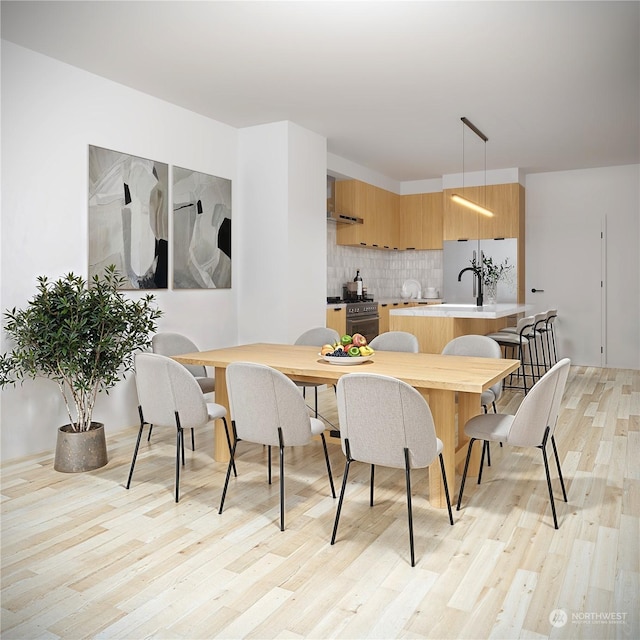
x=382, y=271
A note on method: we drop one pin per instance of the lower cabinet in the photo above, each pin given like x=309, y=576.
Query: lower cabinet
x=337, y=319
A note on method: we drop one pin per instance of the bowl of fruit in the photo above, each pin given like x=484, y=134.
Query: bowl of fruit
x=349, y=351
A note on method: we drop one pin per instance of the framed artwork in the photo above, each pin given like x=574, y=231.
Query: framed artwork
x=129, y=217
x=201, y=230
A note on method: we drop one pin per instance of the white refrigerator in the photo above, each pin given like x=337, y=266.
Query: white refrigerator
x=458, y=255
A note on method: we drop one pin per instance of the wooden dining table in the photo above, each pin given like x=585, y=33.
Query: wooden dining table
x=440, y=379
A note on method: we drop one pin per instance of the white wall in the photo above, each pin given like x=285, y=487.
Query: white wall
x=565, y=214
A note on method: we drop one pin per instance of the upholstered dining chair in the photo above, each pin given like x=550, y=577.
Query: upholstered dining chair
x=316, y=337
x=533, y=425
x=395, y=341
x=169, y=396
x=481, y=347
x=384, y=421
x=267, y=408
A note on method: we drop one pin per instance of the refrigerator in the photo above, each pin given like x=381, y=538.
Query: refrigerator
x=458, y=254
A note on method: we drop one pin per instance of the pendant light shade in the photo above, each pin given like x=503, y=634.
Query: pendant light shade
x=465, y=202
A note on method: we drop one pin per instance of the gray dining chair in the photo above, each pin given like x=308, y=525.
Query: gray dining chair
x=384, y=421
x=267, y=408
x=316, y=337
x=533, y=425
x=395, y=341
x=169, y=396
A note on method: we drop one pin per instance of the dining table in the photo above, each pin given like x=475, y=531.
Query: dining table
x=451, y=385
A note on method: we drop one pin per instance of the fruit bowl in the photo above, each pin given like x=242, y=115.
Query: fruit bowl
x=346, y=360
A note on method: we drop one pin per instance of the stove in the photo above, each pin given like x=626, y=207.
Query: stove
x=361, y=316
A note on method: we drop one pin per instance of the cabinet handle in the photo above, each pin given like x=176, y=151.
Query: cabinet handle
x=537, y=290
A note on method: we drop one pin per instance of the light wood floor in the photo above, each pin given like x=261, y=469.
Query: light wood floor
x=84, y=558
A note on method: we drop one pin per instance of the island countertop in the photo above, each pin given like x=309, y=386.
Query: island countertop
x=490, y=312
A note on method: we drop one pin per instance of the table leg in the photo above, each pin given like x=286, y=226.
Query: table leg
x=468, y=406
x=220, y=446
x=443, y=408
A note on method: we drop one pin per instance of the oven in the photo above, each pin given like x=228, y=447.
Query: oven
x=363, y=318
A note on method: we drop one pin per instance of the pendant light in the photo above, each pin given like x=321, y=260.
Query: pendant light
x=461, y=199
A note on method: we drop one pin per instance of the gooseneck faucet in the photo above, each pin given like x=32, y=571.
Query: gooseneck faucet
x=478, y=274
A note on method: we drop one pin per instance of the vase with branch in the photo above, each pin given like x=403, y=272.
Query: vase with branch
x=492, y=273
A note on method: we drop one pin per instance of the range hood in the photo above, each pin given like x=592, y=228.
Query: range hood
x=331, y=206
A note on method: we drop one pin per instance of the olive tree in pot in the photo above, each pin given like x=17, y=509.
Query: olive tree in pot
x=83, y=336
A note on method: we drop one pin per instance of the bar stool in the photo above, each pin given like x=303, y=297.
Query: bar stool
x=517, y=343
x=539, y=337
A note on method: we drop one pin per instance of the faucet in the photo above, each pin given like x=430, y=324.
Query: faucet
x=478, y=274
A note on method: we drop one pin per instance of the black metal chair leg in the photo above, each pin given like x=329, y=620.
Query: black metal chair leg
x=230, y=466
x=446, y=488
x=193, y=441
x=135, y=454
x=328, y=462
x=281, y=447
x=407, y=473
x=342, y=490
x=484, y=448
x=546, y=469
x=373, y=473
x=179, y=447
x=149, y=435
x=226, y=430
x=555, y=453
x=269, y=462
x=316, y=395
x=464, y=473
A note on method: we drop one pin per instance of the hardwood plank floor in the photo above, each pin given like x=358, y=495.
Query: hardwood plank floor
x=84, y=558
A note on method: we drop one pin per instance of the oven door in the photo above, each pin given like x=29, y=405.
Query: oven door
x=368, y=326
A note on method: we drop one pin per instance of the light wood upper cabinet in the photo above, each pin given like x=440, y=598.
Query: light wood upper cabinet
x=420, y=224
x=505, y=200
x=378, y=209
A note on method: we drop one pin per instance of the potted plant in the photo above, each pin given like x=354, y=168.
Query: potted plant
x=83, y=336
x=492, y=273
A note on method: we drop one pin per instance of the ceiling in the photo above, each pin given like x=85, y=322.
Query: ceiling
x=554, y=85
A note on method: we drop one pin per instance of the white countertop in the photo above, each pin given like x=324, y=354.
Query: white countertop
x=463, y=310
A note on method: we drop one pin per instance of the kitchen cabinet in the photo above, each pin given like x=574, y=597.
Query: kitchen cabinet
x=383, y=312
x=378, y=209
x=420, y=221
x=505, y=200
x=337, y=319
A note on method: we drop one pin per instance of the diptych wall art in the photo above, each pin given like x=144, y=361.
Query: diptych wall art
x=129, y=217
x=201, y=230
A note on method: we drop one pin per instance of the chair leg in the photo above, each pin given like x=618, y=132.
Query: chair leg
x=373, y=471
x=464, y=473
x=488, y=445
x=328, y=462
x=231, y=465
x=281, y=479
x=485, y=446
x=193, y=441
x=407, y=474
x=546, y=469
x=315, y=389
x=446, y=488
x=555, y=453
x=226, y=430
x=149, y=435
x=339, y=509
x=135, y=451
x=179, y=447
x=269, y=462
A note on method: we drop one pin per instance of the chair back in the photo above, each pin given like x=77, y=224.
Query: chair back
x=524, y=324
x=262, y=399
x=540, y=408
x=318, y=336
x=476, y=346
x=380, y=416
x=174, y=344
x=164, y=386
x=395, y=341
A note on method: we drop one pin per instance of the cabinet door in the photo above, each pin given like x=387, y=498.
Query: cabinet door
x=507, y=203
x=461, y=223
x=383, y=312
x=410, y=223
x=387, y=211
x=337, y=319
x=432, y=220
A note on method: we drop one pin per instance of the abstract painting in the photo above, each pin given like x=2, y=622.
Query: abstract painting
x=201, y=230
x=129, y=217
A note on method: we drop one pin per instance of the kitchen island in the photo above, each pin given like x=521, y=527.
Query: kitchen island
x=436, y=325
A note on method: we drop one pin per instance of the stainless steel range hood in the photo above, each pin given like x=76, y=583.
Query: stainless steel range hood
x=332, y=214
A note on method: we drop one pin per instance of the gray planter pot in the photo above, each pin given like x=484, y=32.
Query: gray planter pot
x=78, y=451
